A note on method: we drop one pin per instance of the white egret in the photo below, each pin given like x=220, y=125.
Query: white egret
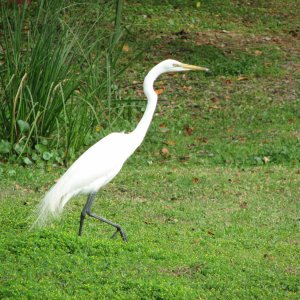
x=103, y=161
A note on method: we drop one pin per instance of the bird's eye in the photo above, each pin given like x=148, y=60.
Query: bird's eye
x=176, y=65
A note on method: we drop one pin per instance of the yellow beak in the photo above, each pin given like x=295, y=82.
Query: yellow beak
x=195, y=68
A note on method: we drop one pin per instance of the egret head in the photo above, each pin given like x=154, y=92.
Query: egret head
x=171, y=65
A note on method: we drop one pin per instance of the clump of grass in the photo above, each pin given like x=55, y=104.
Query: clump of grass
x=50, y=70
x=37, y=81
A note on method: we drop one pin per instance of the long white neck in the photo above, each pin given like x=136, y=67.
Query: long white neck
x=142, y=127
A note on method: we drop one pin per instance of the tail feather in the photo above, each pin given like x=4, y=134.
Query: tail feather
x=52, y=204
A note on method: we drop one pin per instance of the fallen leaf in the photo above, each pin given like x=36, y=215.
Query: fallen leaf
x=196, y=180
x=186, y=88
x=276, y=40
x=243, y=204
x=191, y=146
x=258, y=52
x=140, y=92
x=125, y=48
x=202, y=139
x=164, y=129
x=266, y=141
x=240, y=78
x=266, y=159
x=169, y=143
x=159, y=91
x=215, y=100
x=188, y=130
x=165, y=151
x=267, y=38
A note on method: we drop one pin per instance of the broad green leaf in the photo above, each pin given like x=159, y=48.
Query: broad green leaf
x=18, y=148
x=34, y=156
x=47, y=155
x=44, y=142
x=40, y=148
x=27, y=161
x=24, y=126
x=4, y=146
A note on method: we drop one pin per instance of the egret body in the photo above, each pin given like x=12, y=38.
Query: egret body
x=103, y=161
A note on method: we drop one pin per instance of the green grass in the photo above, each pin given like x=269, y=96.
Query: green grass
x=193, y=233
x=214, y=14
x=210, y=201
x=49, y=64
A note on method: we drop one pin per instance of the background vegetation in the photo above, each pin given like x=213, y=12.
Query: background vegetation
x=52, y=65
x=209, y=202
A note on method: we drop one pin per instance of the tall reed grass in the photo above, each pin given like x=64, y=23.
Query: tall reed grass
x=55, y=76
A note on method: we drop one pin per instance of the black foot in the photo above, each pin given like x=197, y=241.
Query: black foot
x=122, y=233
x=87, y=211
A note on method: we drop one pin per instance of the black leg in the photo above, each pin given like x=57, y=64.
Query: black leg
x=86, y=208
x=87, y=211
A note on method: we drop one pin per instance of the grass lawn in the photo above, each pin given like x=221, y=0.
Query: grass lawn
x=210, y=201
x=194, y=233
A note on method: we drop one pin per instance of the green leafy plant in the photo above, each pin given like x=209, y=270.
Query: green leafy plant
x=36, y=77
x=52, y=76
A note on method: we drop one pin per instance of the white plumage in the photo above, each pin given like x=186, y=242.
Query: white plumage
x=88, y=175
x=103, y=161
